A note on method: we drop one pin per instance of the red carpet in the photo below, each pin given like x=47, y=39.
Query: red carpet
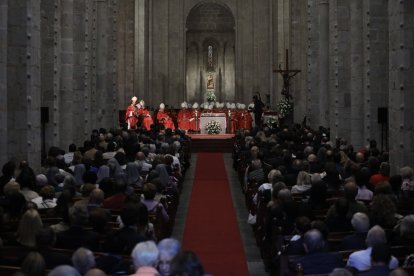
x=211, y=229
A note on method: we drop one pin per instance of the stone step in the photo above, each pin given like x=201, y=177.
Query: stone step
x=212, y=145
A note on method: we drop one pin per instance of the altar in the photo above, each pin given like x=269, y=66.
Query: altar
x=218, y=117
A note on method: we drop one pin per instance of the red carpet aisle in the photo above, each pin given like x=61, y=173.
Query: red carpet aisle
x=211, y=228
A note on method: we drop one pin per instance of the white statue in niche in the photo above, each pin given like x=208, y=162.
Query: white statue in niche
x=210, y=81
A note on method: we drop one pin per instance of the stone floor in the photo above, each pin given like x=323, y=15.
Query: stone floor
x=254, y=261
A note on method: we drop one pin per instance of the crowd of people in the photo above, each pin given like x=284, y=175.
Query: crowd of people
x=98, y=208
x=317, y=205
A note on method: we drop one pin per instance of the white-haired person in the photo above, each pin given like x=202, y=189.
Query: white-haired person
x=357, y=240
x=168, y=249
x=146, y=116
x=83, y=260
x=183, y=117
x=131, y=115
x=164, y=119
x=145, y=257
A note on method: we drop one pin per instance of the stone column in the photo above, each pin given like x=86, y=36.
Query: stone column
x=356, y=81
x=66, y=107
x=376, y=50
x=3, y=80
x=299, y=29
x=126, y=56
x=323, y=62
x=401, y=72
x=23, y=83
x=340, y=69
x=101, y=50
x=312, y=72
x=141, y=50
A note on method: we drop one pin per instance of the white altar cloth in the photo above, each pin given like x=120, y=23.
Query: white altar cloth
x=218, y=117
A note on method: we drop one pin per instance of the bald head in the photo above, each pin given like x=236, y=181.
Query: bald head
x=312, y=158
x=313, y=241
x=350, y=190
x=95, y=272
x=359, y=157
x=140, y=156
x=398, y=272
x=97, y=196
x=376, y=235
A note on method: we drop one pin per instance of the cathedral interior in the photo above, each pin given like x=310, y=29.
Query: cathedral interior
x=79, y=63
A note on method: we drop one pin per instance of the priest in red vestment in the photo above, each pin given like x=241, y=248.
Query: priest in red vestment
x=146, y=116
x=183, y=117
x=233, y=119
x=131, y=115
x=245, y=118
x=195, y=118
x=164, y=119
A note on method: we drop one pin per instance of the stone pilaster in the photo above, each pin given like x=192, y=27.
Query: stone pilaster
x=357, y=78
x=375, y=33
x=312, y=72
x=126, y=56
x=298, y=57
x=23, y=82
x=3, y=80
x=323, y=7
x=66, y=108
x=340, y=69
x=401, y=72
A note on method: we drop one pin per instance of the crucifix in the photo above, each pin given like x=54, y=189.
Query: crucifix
x=286, y=75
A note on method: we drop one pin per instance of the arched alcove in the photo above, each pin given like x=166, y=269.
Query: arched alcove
x=210, y=32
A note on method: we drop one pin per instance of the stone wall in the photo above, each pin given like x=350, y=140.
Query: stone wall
x=401, y=82
x=57, y=55
x=84, y=60
x=161, y=49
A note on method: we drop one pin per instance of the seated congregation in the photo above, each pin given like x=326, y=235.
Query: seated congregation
x=317, y=207
x=97, y=209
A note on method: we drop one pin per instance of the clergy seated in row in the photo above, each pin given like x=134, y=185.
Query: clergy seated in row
x=184, y=116
x=144, y=113
x=164, y=118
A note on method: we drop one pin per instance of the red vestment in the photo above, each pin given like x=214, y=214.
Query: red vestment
x=195, y=120
x=131, y=117
x=183, y=119
x=245, y=119
x=163, y=118
x=234, y=121
x=146, y=118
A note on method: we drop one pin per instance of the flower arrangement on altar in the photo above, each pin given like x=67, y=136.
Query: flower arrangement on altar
x=272, y=122
x=213, y=127
x=284, y=107
x=211, y=97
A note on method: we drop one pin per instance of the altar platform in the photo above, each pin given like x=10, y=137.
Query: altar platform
x=196, y=136
x=211, y=142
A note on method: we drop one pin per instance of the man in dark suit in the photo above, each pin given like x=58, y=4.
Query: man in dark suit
x=122, y=241
x=317, y=260
x=356, y=241
x=45, y=241
x=76, y=236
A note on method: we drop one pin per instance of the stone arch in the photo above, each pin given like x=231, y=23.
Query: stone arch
x=209, y=23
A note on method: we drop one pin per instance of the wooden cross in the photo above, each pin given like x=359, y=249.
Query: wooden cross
x=286, y=75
